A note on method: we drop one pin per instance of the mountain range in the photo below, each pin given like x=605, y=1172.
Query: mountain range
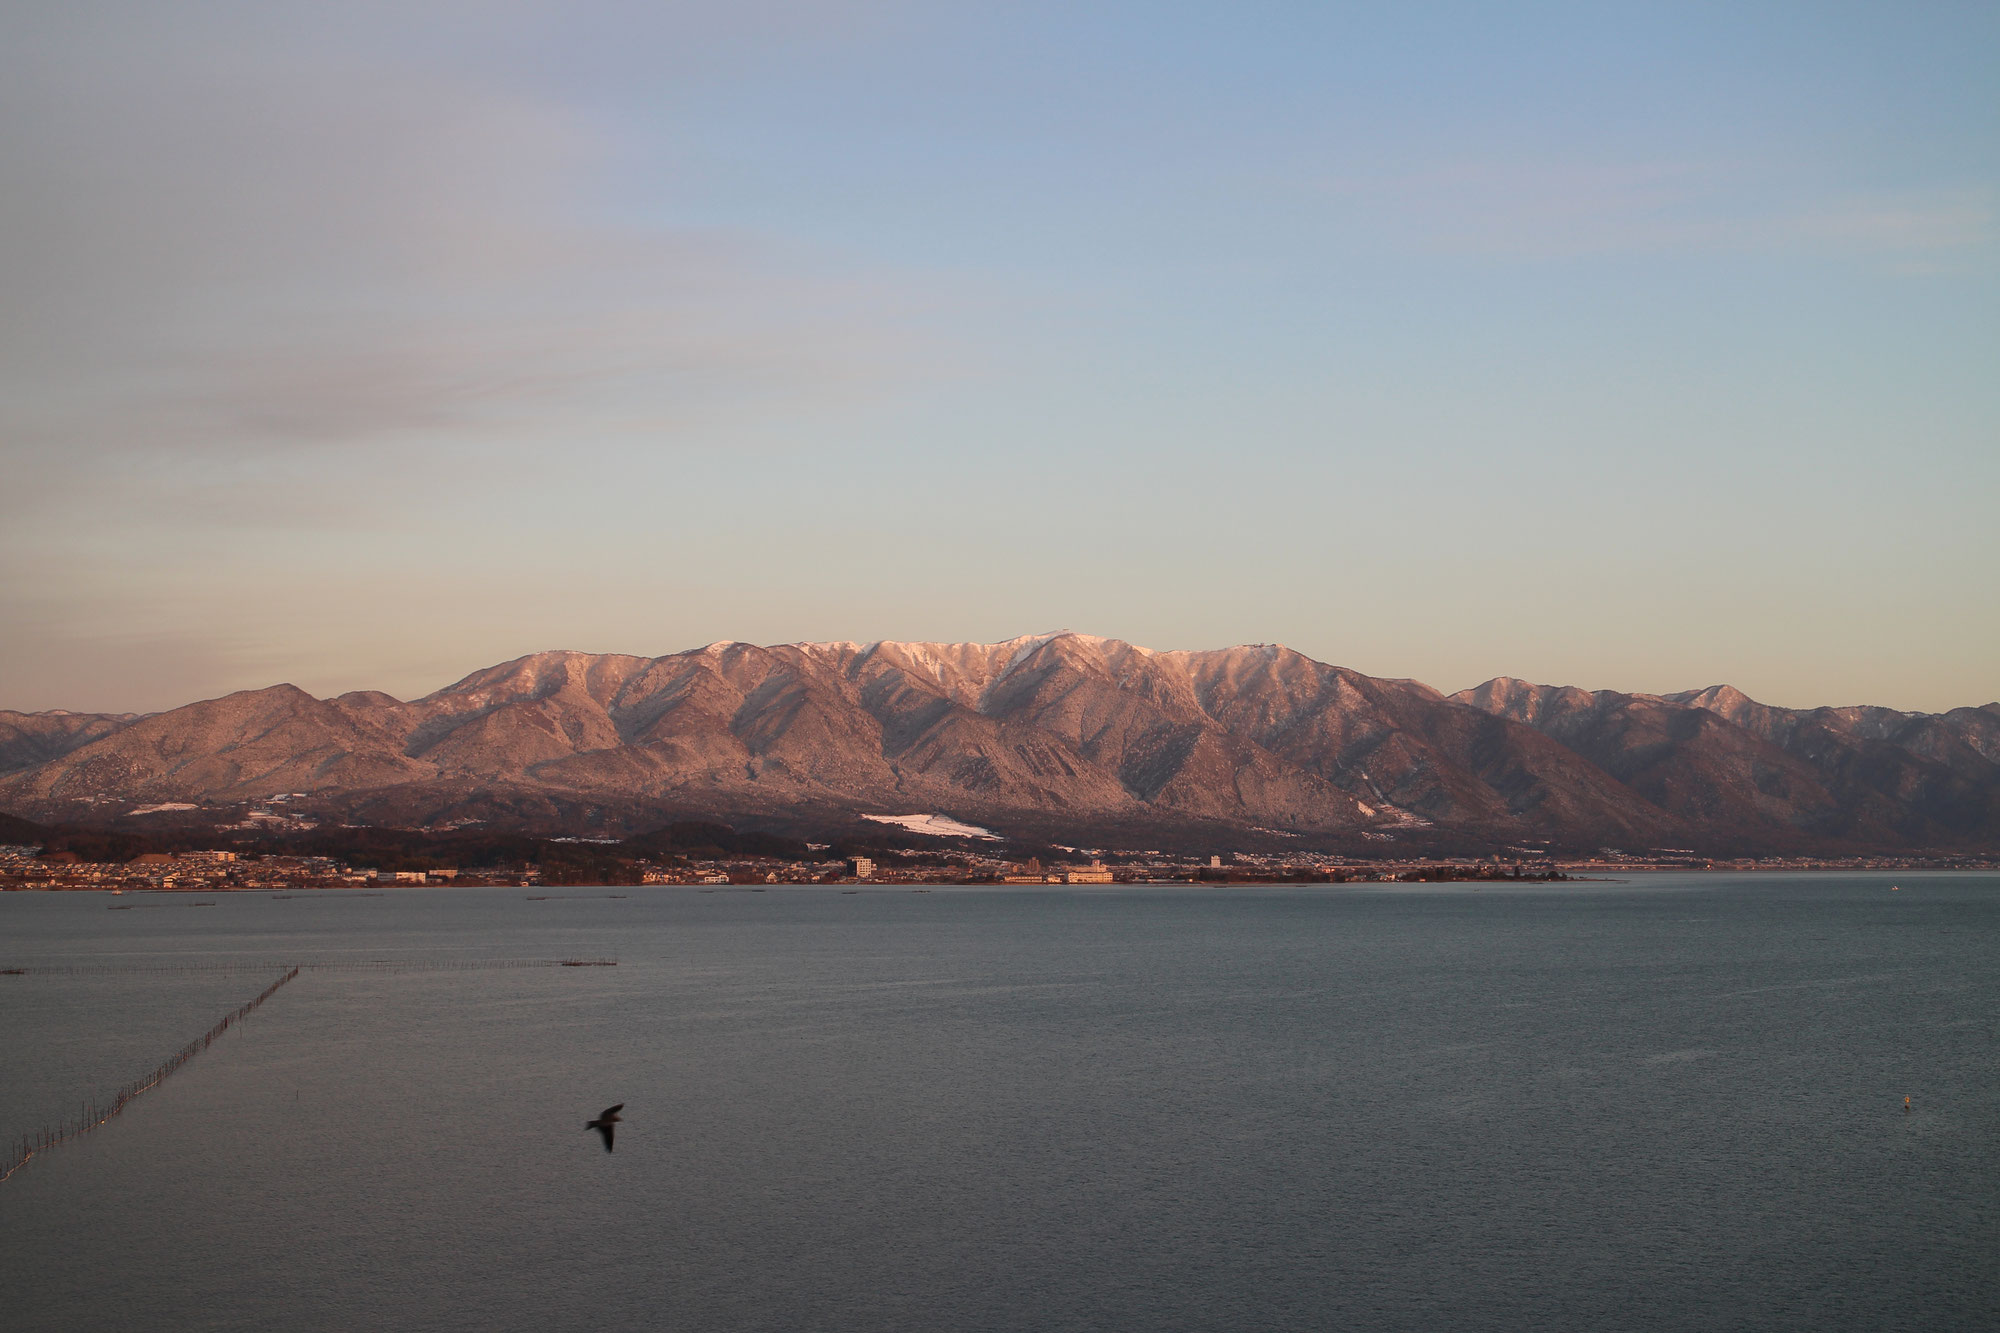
x=1044, y=736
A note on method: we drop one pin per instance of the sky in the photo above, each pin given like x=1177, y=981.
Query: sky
x=1629, y=346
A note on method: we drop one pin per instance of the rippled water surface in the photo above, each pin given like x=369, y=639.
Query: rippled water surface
x=1675, y=1103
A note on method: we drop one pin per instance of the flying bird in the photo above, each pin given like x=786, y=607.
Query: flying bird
x=604, y=1123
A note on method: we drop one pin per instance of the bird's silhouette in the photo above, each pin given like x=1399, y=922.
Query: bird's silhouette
x=604, y=1123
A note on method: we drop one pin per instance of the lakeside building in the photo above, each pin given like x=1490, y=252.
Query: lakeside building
x=1094, y=873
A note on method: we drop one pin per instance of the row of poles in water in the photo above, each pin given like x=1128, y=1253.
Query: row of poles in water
x=328, y=965
x=90, y=1115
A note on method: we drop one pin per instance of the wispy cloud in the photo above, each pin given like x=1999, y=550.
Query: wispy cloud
x=238, y=248
x=1538, y=209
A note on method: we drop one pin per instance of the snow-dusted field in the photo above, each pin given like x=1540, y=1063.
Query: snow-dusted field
x=940, y=826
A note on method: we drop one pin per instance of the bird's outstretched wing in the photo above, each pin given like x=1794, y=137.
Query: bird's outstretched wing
x=610, y=1111
x=605, y=1130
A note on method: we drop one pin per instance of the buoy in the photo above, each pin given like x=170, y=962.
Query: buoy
x=1906, y=1106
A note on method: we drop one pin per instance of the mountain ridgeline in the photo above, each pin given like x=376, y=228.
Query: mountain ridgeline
x=1051, y=736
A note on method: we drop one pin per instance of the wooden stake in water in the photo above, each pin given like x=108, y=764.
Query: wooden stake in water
x=90, y=1116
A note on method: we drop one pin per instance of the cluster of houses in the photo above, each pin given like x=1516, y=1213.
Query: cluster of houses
x=201, y=871
x=27, y=867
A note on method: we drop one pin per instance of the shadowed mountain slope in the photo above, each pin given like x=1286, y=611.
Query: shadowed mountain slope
x=1723, y=762
x=28, y=740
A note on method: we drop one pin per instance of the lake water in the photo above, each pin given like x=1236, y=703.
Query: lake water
x=1669, y=1104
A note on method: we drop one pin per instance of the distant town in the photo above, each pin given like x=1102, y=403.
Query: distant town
x=30, y=867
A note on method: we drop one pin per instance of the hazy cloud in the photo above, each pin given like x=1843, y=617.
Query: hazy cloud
x=1556, y=210
x=246, y=240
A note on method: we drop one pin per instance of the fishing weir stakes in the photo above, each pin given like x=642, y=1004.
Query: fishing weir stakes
x=324, y=965
x=90, y=1114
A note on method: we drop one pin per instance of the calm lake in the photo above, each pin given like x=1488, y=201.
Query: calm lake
x=1671, y=1103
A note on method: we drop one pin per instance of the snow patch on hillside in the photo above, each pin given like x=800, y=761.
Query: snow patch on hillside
x=937, y=826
